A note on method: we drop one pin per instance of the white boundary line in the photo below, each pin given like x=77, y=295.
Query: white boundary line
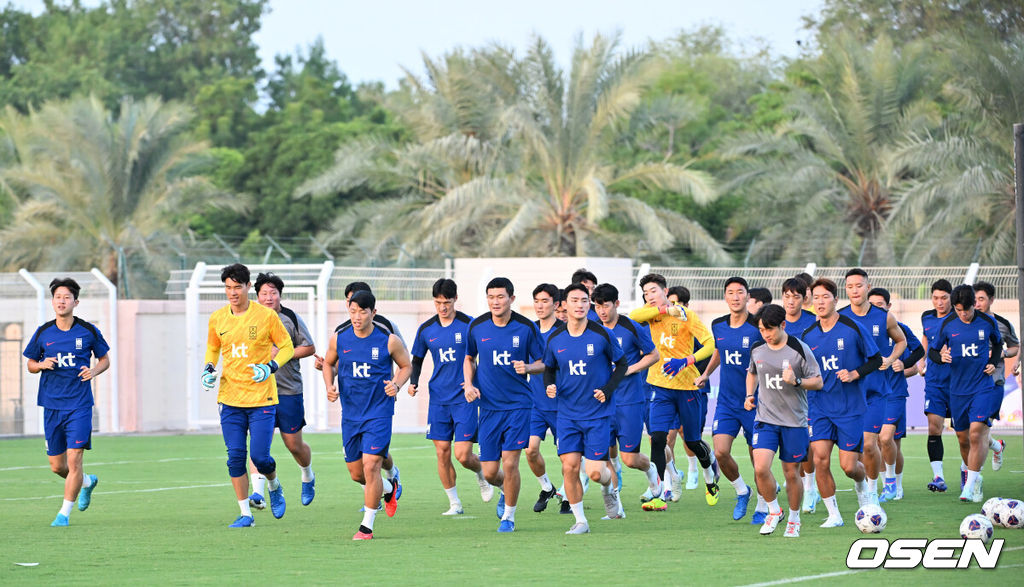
x=122, y=491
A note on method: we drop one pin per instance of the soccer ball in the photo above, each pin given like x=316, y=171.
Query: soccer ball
x=976, y=526
x=871, y=519
x=1012, y=514
x=993, y=509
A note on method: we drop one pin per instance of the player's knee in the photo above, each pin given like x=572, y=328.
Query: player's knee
x=698, y=447
x=659, y=440
x=720, y=453
x=594, y=475
x=264, y=463
x=236, y=462
x=61, y=470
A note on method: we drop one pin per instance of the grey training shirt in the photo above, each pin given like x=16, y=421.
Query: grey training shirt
x=289, y=376
x=778, y=402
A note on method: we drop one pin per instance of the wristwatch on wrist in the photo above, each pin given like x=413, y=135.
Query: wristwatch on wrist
x=798, y=381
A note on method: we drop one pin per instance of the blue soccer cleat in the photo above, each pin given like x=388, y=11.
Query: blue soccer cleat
x=938, y=484
x=758, y=518
x=85, y=495
x=60, y=521
x=963, y=479
x=256, y=501
x=243, y=522
x=397, y=482
x=618, y=478
x=277, y=505
x=501, y=506
x=506, y=526
x=742, y=501
x=888, y=490
x=308, y=492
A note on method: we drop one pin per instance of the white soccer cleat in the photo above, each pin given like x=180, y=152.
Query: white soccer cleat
x=810, y=502
x=454, y=509
x=833, y=522
x=997, y=456
x=792, y=530
x=611, y=503
x=977, y=496
x=579, y=528
x=486, y=489
x=770, y=522
x=677, y=486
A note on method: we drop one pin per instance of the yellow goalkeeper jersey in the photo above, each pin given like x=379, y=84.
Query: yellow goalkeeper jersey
x=241, y=341
x=673, y=337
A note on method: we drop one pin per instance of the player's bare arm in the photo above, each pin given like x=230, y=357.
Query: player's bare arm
x=88, y=373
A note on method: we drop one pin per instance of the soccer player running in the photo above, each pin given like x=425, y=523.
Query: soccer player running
x=882, y=327
x=984, y=295
x=783, y=368
x=62, y=350
x=969, y=342
x=544, y=411
x=630, y=400
x=583, y=366
x=936, y=384
x=364, y=355
x=244, y=335
x=504, y=347
x=735, y=334
x=451, y=420
x=846, y=354
x=757, y=298
x=290, y=412
x=895, y=426
x=675, y=395
x=679, y=295
x=796, y=294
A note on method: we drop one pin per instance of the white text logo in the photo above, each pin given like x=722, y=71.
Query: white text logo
x=908, y=553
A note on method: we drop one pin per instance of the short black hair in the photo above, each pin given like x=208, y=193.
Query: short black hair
x=771, y=315
x=67, y=282
x=761, y=294
x=963, y=295
x=605, y=292
x=550, y=289
x=357, y=286
x=805, y=277
x=986, y=287
x=653, y=278
x=681, y=293
x=942, y=285
x=363, y=299
x=444, y=288
x=581, y=275
x=795, y=285
x=857, y=271
x=880, y=291
x=238, y=272
x=499, y=282
x=736, y=279
x=575, y=287
x=265, y=278
x=827, y=284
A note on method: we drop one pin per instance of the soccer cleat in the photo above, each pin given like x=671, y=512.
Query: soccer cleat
x=618, y=479
x=888, y=490
x=997, y=456
x=486, y=490
x=277, y=505
x=667, y=495
x=792, y=530
x=500, y=509
x=243, y=522
x=611, y=503
x=585, y=480
x=360, y=535
x=742, y=501
x=391, y=499
x=899, y=493
x=655, y=505
x=380, y=507
x=963, y=478
x=967, y=495
x=506, y=526
x=977, y=496
x=85, y=495
x=62, y=520
x=256, y=501
x=579, y=528
x=543, y=499
x=308, y=492
x=691, y=480
x=397, y=482
x=677, y=486
x=711, y=495
x=938, y=484
x=758, y=518
x=646, y=496
x=770, y=522
x=810, y=502
x=454, y=509
x=831, y=522
x=564, y=508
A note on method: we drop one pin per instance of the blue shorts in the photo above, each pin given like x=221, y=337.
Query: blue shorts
x=730, y=421
x=541, y=421
x=370, y=437
x=936, y=401
x=967, y=409
x=627, y=427
x=452, y=422
x=874, y=414
x=237, y=425
x=789, y=442
x=291, y=414
x=847, y=432
x=67, y=429
x=688, y=407
x=587, y=437
x=647, y=411
x=502, y=430
x=896, y=415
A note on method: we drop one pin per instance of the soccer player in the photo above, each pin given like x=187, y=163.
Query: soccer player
x=758, y=297
x=589, y=281
x=290, y=413
x=783, y=368
x=630, y=397
x=895, y=426
x=579, y=373
x=504, y=347
x=984, y=295
x=675, y=396
x=970, y=344
x=544, y=411
x=451, y=420
x=936, y=383
x=796, y=295
x=244, y=335
x=678, y=295
x=62, y=350
x=364, y=354
x=735, y=334
x=881, y=326
x=845, y=354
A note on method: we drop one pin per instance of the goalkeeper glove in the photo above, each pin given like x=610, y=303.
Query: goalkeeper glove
x=672, y=367
x=262, y=371
x=209, y=377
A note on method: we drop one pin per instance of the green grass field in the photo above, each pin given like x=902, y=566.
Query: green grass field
x=161, y=510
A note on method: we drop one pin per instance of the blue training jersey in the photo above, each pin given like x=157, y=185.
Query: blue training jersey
x=970, y=345
x=363, y=366
x=501, y=388
x=733, y=346
x=898, y=381
x=936, y=375
x=873, y=324
x=447, y=348
x=584, y=363
x=845, y=346
x=61, y=388
x=805, y=321
x=635, y=340
x=541, y=401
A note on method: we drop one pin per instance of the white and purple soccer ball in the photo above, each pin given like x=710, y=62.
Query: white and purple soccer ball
x=871, y=519
x=976, y=527
x=1012, y=514
x=993, y=510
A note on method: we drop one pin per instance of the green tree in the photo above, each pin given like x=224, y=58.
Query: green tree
x=907, y=21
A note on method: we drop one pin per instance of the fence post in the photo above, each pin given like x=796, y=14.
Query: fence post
x=115, y=390
x=40, y=318
x=193, y=345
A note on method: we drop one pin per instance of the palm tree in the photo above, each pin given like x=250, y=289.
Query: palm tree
x=95, y=190
x=511, y=156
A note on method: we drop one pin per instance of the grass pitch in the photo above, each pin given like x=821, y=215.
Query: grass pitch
x=161, y=510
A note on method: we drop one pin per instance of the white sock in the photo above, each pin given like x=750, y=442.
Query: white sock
x=871, y=485
x=616, y=464
x=890, y=470
x=545, y=483
x=274, y=484
x=387, y=486
x=390, y=472
x=832, y=507
x=693, y=464
x=510, y=513
x=243, y=505
x=671, y=472
x=652, y=479
x=739, y=486
x=994, y=444
x=794, y=516
x=972, y=478
x=480, y=475
x=307, y=473
x=860, y=486
x=369, y=514
x=606, y=477
x=86, y=480
x=899, y=481
x=773, y=507
x=762, y=505
x=937, y=468
x=963, y=466
x=577, y=510
x=259, y=483
x=809, y=482
x=709, y=475
x=453, y=495
x=65, y=508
